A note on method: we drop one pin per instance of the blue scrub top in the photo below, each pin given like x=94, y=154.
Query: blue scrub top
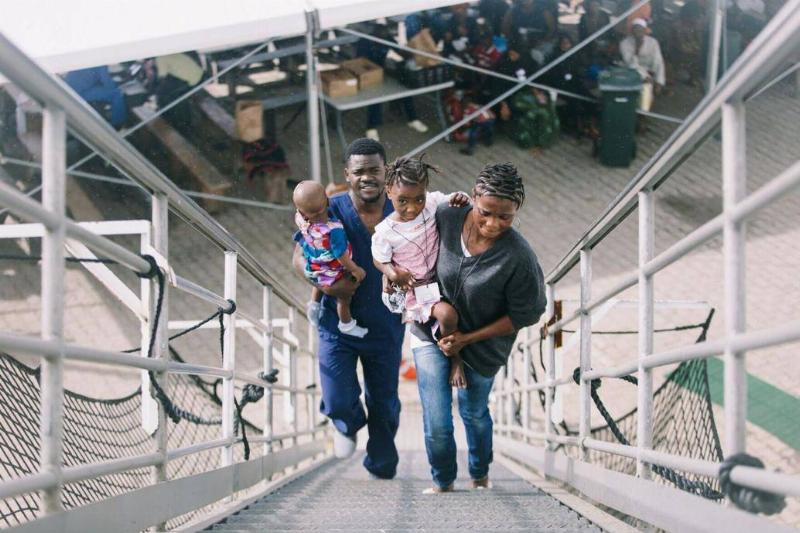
x=366, y=307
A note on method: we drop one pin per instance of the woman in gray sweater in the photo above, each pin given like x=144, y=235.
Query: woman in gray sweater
x=490, y=274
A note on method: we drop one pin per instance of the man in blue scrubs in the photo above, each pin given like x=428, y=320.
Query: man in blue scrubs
x=360, y=209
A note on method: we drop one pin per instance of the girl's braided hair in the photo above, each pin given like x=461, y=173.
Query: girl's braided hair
x=501, y=180
x=409, y=171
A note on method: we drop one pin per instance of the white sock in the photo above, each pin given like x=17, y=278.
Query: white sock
x=351, y=328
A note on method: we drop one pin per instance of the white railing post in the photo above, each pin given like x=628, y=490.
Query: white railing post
x=644, y=429
x=229, y=360
x=526, y=378
x=510, y=385
x=268, y=365
x=550, y=374
x=734, y=176
x=159, y=212
x=51, y=426
x=585, y=349
x=312, y=372
x=502, y=409
x=289, y=414
x=149, y=408
x=292, y=352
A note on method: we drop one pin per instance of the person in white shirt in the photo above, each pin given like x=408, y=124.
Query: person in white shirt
x=643, y=53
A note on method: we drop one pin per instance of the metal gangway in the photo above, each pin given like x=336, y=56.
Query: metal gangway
x=242, y=482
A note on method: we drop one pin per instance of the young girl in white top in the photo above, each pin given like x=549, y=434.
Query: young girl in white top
x=405, y=247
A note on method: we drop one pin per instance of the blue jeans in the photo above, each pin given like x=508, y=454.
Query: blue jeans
x=436, y=395
x=380, y=360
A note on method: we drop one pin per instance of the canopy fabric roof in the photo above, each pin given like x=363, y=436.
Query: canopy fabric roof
x=71, y=34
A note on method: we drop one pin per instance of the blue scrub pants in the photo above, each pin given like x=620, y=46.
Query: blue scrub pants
x=380, y=360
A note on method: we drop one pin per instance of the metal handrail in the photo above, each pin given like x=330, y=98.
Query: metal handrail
x=61, y=106
x=776, y=42
x=51, y=91
x=724, y=104
x=54, y=350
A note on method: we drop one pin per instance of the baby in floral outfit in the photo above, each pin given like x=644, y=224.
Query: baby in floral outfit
x=326, y=250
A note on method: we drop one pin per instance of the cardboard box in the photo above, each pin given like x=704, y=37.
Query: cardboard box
x=249, y=116
x=368, y=73
x=338, y=83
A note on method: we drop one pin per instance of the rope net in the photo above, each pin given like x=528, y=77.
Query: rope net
x=97, y=430
x=683, y=422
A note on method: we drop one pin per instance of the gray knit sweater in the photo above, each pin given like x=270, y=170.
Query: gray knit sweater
x=504, y=280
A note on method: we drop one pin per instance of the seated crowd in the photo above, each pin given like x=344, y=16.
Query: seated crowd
x=518, y=38
x=513, y=38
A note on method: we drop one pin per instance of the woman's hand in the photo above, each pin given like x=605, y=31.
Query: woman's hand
x=453, y=344
x=459, y=199
x=402, y=278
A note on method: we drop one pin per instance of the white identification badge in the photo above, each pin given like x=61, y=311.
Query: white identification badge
x=427, y=294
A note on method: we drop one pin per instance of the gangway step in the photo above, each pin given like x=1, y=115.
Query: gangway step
x=341, y=496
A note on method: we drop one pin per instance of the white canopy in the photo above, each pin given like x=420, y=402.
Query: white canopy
x=66, y=35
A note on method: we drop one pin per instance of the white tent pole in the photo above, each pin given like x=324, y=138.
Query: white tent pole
x=715, y=30
x=313, y=98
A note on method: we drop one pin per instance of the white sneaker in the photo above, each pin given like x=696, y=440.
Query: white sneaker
x=343, y=446
x=372, y=133
x=352, y=328
x=418, y=126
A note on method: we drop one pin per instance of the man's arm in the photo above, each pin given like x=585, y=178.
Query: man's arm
x=351, y=266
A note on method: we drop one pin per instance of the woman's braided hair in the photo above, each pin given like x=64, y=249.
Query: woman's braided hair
x=501, y=180
x=409, y=171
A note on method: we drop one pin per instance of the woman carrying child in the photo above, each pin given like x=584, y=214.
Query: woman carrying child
x=492, y=277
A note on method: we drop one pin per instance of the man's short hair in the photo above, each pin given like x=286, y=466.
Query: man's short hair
x=364, y=146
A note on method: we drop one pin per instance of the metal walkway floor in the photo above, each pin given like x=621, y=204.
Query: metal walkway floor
x=341, y=496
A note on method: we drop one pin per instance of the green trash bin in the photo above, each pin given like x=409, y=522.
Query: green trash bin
x=620, y=88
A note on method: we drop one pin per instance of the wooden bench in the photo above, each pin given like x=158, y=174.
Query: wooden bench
x=274, y=184
x=184, y=155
